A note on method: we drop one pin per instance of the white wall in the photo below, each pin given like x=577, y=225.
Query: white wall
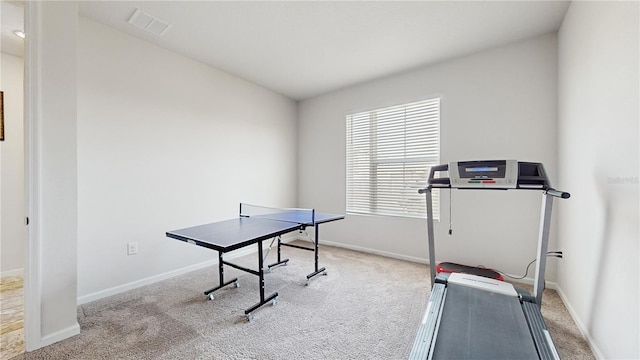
x=599, y=154
x=496, y=104
x=50, y=122
x=13, y=242
x=165, y=142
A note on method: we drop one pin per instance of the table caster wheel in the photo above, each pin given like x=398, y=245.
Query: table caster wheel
x=210, y=297
x=306, y=283
x=274, y=301
x=236, y=284
x=249, y=317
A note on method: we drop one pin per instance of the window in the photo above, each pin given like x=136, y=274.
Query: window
x=389, y=155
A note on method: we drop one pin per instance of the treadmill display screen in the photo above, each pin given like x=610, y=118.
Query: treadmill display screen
x=481, y=169
x=493, y=170
x=497, y=174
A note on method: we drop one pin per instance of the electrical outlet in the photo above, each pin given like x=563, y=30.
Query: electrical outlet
x=132, y=248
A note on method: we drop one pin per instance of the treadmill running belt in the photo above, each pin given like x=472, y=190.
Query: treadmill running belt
x=478, y=324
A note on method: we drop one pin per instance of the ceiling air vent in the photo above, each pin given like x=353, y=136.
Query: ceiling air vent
x=149, y=23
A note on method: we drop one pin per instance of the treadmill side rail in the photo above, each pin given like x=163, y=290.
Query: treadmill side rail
x=541, y=336
x=423, y=345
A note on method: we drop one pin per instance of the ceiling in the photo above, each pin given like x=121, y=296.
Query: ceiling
x=303, y=49
x=11, y=19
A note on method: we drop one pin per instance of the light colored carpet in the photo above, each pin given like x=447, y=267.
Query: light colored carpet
x=367, y=307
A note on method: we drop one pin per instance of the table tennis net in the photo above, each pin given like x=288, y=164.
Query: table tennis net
x=293, y=215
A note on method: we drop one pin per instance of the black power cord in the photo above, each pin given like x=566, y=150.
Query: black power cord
x=557, y=254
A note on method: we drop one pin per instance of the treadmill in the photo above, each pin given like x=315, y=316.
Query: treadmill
x=472, y=317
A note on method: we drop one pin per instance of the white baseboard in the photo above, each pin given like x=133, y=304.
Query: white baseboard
x=59, y=335
x=164, y=276
x=529, y=281
x=142, y=282
x=12, y=273
x=375, y=252
x=583, y=329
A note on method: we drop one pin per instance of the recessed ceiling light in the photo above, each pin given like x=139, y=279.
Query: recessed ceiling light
x=20, y=34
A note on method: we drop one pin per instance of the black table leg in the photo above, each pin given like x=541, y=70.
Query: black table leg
x=209, y=292
x=315, y=254
x=280, y=261
x=263, y=300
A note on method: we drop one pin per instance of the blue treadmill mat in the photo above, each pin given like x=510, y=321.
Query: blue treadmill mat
x=478, y=324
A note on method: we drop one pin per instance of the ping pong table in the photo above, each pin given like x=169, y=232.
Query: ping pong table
x=254, y=225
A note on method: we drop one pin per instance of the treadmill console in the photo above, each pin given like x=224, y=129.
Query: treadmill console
x=498, y=174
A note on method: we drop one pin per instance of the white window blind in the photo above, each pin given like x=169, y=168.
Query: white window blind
x=389, y=155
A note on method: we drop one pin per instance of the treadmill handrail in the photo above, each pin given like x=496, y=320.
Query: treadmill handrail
x=558, y=193
x=550, y=191
x=531, y=176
